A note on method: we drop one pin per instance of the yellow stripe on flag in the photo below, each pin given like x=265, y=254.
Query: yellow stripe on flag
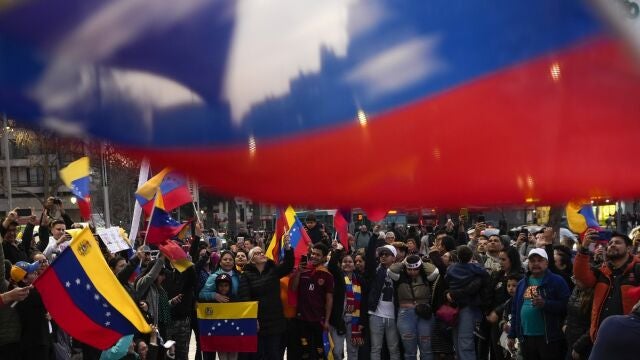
x=290, y=215
x=87, y=251
x=148, y=190
x=222, y=311
x=74, y=171
x=575, y=220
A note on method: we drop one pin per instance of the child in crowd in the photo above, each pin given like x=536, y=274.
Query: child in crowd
x=223, y=287
x=505, y=323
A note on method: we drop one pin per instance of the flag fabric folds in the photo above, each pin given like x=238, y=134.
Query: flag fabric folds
x=228, y=327
x=300, y=240
x=176, y=255
x=167, y=190
x=275, y=251
x=76, y=177
x=580, y=217
x=85, y=298
x=162, y=227
x=328, y=345
x=341, y=224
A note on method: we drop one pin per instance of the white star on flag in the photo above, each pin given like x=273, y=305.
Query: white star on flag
x=68, y=284
x=107, y=323
x=88, y=286
x=96, y=296
x=78, y=281
x=107, y=314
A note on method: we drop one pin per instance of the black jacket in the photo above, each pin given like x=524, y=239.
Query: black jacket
x=264, y=287
x=578, y=322
x=23, y=251
x=181, y=283
x=339, y=294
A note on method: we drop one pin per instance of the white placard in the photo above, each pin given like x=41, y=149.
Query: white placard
x=112, y=239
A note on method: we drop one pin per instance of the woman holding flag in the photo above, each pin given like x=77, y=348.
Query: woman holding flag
x=347, y=322
x=260, y=282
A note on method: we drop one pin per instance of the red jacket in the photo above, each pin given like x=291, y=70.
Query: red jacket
x=599, y=278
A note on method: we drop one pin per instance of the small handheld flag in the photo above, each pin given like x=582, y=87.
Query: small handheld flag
x=76, y=177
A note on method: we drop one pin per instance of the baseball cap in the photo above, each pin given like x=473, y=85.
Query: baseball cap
x=540, y=252
x=387, y=248
x=22, y=268
x=223, y=278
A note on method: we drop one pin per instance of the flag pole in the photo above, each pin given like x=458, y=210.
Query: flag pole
x=195, y=211
x=146, y=233
x=137, y=210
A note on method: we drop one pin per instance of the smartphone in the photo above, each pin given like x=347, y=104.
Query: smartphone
x=23, y=212
x=604, y=235
x=464, y=212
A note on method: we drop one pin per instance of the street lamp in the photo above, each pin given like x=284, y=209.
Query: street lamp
x=73, y=200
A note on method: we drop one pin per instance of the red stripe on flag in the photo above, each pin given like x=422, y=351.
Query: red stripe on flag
x=176, y=197
x=572, y=108
x=229, y=343
x=70, y=318
x=342, y=227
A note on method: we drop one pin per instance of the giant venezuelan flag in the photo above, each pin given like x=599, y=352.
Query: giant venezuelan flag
x=228, y=327
x=76, y=177
x=383, y=101
x=85, y=298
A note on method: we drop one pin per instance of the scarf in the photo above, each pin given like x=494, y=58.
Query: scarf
x=353, y=294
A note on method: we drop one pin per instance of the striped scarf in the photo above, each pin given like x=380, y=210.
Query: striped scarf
x=353, y=293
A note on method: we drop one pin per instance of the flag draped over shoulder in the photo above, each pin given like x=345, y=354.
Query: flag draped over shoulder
x=228, y=327
x=167, y=190
x=580, y=217
x=85, y=298
x=76, y=177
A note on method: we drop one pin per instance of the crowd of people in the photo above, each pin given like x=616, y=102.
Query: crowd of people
x=433, y=292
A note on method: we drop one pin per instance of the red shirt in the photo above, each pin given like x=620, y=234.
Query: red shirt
x=312, y=290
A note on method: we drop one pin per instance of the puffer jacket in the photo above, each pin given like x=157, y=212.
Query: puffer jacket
x=465, y=282
x=264, y=287
x=600, y=279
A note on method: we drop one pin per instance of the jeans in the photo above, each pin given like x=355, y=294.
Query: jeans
x=463, y=338
x=415, y=333
x=338, y=342
x=383, y=328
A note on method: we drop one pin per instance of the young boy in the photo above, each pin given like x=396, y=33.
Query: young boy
x=223, y=287
x=505, y=323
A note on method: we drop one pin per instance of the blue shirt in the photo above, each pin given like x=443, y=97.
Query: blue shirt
x=532, y=318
